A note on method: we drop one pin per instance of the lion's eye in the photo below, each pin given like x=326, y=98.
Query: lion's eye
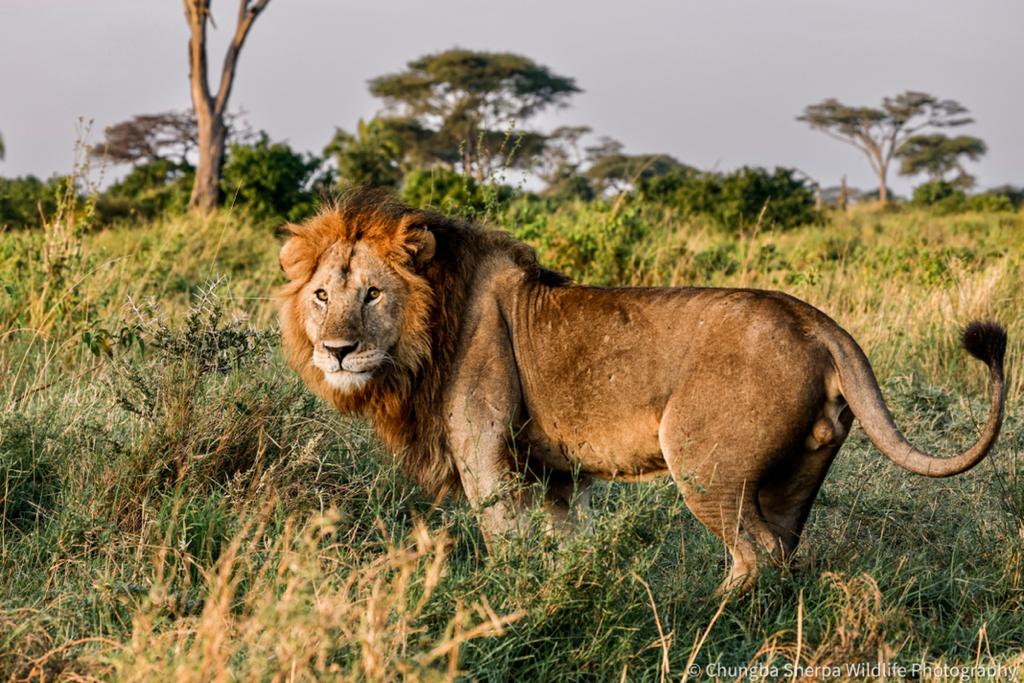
x=372, y=294
x=320, y=295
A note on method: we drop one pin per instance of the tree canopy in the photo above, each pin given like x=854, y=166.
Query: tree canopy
x=937, y=155
x=147, y=138
x=618, y=171
x=474, y=102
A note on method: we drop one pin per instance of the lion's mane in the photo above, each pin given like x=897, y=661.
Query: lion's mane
x=404, y=402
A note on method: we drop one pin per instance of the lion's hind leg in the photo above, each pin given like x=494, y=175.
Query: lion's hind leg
x=567, y=505
x=786, y=496
x=720, y=483
x=731, y=512
x=788, y=490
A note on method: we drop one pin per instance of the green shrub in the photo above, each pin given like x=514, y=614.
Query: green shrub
x=451, y=192
x=149, y=190
x=943, y=197
x=991, y=202
x=270, y=180
x=939, y=195
x=588, y=241
x=745, y=197
x=22, y=199
x=753, y=195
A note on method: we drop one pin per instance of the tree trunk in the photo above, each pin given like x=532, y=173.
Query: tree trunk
x=210, y=110
x=883, y=191
x=212, y=140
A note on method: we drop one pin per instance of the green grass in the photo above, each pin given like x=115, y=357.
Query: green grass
x=174, y=505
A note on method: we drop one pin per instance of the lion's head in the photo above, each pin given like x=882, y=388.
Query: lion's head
x=371, y=316
x=356, y=306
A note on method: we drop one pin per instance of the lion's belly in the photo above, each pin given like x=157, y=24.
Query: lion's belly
x=606, y=449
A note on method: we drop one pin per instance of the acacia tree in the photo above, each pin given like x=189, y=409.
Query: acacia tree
x=210, y=109
x=938, y=154
x=881, y=132
x=472, y=100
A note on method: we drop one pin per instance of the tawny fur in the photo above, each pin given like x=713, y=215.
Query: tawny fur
x=502, y=369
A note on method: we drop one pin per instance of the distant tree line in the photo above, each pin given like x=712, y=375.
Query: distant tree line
x=453, y=124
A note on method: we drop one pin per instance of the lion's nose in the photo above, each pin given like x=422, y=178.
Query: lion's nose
x=340, y=349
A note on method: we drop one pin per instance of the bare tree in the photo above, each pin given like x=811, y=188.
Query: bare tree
x=210, y=109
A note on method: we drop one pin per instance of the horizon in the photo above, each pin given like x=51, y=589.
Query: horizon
x=679, y=81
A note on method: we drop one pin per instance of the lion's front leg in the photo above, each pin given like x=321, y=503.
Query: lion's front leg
x=500, y=501
x=482, y=408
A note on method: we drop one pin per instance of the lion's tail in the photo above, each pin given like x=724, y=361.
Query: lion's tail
x=986, y=341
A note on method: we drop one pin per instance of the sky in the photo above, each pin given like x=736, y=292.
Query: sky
x=715, y=83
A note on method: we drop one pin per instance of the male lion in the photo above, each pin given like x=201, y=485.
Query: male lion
x=483, y=372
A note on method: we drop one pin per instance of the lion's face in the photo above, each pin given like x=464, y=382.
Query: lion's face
x=352, y=306
x=355, y=305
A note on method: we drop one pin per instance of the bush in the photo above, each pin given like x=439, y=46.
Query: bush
x=786, y=201
x=270, y=179
x=452, y=192
x=939, y=195
x=22, y=199
x=570, y=186
x=587, y=241
x=989, y=201
x=776, y=199
x=1014, y=195
x=149, y=190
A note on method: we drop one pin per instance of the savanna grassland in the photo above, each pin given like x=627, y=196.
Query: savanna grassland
x=175, y=506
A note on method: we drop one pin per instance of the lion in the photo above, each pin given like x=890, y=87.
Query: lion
x=491, y=377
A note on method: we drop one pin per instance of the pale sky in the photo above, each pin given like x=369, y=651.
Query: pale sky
x=715, y=83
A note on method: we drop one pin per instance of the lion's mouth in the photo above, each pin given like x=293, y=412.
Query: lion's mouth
x=363, y=363
x=353, y=372
x=346, y=380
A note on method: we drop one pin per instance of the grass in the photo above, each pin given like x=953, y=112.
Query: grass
x=174, y=505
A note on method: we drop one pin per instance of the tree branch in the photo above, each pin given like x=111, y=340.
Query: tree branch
x=247, y=13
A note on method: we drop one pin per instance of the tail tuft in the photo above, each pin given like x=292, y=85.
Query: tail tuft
x=986, y=341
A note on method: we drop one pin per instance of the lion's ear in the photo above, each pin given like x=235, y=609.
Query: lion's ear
x=295, y=255
x=421, y=245
x=417, y=240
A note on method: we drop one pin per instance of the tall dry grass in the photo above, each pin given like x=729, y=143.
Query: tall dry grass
x=173, y=505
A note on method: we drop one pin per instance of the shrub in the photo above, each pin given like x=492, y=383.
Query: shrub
x=1014, y=195
x=570, y=186
x=747, y=196
x=777, y=199
x=452, y=192
x=939, y=195
x=23, y=199
x=149, y=190
x=591, y=243
x=270, y=179
x=989, y=202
